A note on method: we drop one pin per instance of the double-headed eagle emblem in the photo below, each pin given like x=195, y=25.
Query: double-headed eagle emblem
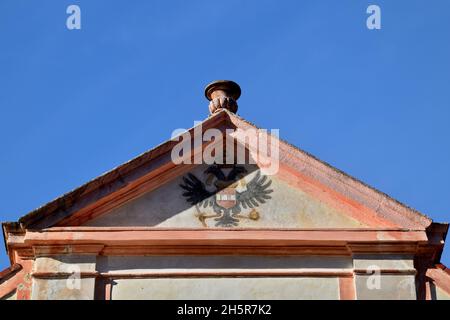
x=226, y=201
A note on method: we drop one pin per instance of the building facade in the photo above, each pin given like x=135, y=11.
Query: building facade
x=154, y=228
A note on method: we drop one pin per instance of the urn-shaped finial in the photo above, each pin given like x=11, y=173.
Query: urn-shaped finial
x=223, y=94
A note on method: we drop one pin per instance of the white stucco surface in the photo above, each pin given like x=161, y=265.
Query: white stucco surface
x=227, y=288
x=147, y=264
x=391, y=287
x=384, y=261
x=63, y=289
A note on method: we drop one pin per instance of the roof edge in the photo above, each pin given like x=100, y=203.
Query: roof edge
x=346, y=175
x=10, y=271
x=70, y=197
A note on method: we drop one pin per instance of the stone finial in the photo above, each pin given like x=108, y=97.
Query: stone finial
x=223, y=94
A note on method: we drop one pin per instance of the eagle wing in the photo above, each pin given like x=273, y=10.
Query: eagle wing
x=257, y=192
x=196, y=192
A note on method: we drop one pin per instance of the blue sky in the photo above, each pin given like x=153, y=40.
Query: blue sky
x=373, y=103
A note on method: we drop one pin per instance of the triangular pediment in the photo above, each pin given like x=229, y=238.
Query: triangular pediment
x=152, y=191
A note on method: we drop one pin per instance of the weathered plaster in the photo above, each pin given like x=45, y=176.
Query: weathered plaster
x=384, y=261
x=392, y=287
x=227, y=288
x=63, y=289
x=63, y=277
x=65, y=263
x=139, y=264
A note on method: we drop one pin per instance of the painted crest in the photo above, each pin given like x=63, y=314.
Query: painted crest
x=226, y=198
x=228, y=204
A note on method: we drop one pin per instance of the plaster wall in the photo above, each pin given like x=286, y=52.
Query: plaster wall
x=215, y=287
x=164, y=277
x=391, y=287
x=63, y=289
x=66, y=263
x=139, y=264
x=63, y=278
x=227, y=288
x=384, y=277
x=383, y=261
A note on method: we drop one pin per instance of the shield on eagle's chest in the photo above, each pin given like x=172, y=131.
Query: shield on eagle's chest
x=226, y=198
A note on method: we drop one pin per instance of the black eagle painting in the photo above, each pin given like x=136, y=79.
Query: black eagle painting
x=226, y=201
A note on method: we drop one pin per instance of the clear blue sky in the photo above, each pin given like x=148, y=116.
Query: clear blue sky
x=74, y=104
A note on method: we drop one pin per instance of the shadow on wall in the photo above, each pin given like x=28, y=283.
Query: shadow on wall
x=207, y=192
